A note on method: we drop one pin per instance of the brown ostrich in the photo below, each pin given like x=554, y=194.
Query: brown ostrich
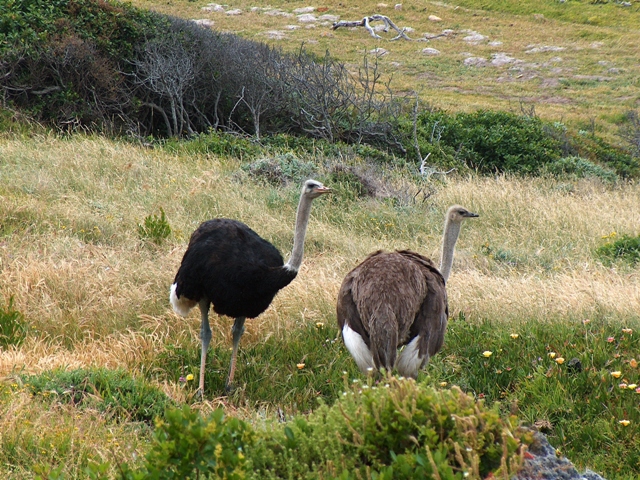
x=398, y=298
x=230, y=266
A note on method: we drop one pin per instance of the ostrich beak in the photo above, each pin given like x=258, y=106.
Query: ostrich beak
x=323, y=189
x=471, y=215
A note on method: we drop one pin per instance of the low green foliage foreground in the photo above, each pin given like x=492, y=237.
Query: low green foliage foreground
x=392, y=430
x=577, y=380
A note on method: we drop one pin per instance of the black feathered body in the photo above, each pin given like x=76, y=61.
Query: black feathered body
x=392, y=298
x=234, y=268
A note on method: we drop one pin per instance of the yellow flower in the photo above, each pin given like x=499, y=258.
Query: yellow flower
x=559, y=360
x=319, y=325
x=552, y=354
x=487, y=353
x=189, y=377
x=514, y=335
x=632, y=386
x=616, y=374
x=627, y=330
x=443, y=384
x=300, y=366
x=624, y=423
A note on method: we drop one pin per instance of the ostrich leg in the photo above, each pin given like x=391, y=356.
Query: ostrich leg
x=237, y=330
x=205, y=338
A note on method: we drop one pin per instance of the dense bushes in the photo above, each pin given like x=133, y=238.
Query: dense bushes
x=99, y=62
x=62, y=60
x=395, y=430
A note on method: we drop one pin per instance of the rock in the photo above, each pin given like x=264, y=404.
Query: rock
x=475, y=62
x=275, y=34
x=544, y=48
x=541, y=461
x=474, y=37
x=398, y=6
x=430, y=51
x=304, y=10
x=235, y=11
x=329, y=18
x=213, y=7
x=499, y=59
x=434, y=18
x=307, y=18
x=203, y=22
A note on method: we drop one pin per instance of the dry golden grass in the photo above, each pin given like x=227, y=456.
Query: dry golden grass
x=35, y=432
x=101, y=300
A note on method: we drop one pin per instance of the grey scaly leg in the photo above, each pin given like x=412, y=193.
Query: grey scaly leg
x=205, y=337
x=237, y=331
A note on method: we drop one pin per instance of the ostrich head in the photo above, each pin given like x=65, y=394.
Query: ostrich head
x=313, y=189
x=456, y=214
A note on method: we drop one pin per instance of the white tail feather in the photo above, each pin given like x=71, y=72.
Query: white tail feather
x=409, y=361
x=358, y=349
x=181, y=306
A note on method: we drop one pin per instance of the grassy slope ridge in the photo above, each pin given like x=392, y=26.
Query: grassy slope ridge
x=94, y=294
x=573, y=62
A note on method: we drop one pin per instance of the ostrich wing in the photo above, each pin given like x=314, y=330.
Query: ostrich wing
x=431, y=320
x=232, y=266
x=347, y=310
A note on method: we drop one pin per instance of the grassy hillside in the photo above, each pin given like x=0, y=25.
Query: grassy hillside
x=90, y=349
x=573, y=62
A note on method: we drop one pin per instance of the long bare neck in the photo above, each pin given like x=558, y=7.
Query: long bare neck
x=302, y=220
x=449, y=238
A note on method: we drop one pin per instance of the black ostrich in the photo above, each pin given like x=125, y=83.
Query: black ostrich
x=230, y=266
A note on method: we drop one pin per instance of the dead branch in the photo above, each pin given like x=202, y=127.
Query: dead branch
x=366, y=23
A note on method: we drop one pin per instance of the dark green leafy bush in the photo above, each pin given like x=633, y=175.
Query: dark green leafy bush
x=13, y=327
x=626, y=248
x=490, y=141
x=114, y=392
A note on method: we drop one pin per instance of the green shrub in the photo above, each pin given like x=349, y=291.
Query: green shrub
x=114, y=392
x=398, y=430
x=626, y=248
x=155, y=228
x=490, y=141
x=185, y=445
x=580, y=168
x=13, y=327
x=281, y=169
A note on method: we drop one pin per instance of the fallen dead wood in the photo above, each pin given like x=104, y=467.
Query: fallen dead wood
x=366, y=23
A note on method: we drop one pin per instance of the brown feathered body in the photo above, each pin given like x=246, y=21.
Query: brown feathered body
x=398, y=299
x=390, y=300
